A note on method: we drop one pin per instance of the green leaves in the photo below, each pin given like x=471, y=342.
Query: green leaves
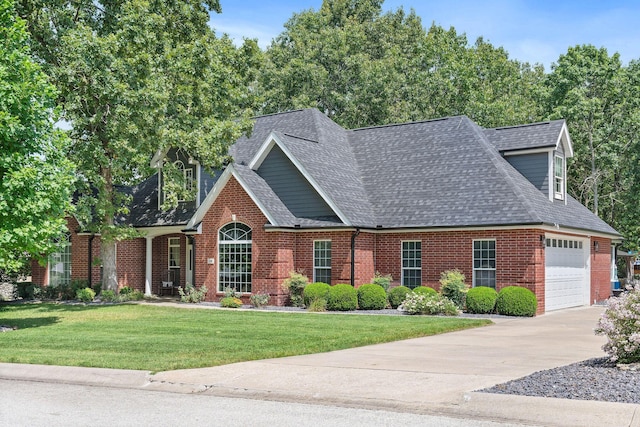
x=35, y=176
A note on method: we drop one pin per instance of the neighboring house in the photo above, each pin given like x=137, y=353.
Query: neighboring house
x=411, y=200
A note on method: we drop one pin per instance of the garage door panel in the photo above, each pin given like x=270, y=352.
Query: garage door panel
x=566, y=275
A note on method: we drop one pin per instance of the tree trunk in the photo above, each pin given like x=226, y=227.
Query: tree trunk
x=109, y=270
x=107, y=241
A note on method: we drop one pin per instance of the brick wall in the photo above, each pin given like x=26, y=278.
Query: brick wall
x=600, y=270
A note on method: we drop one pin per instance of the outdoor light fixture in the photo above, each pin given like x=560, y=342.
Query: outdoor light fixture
x=596, y=246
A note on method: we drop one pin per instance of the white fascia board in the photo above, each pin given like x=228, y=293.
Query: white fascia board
x=152, y=232
x=528, y=151
x=566, y=138
x=265, y=149
x=217, y=189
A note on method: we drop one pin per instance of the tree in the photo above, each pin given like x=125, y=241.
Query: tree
x=35, y=176
x=585, y=89
x=362, y=68
x=137, y=77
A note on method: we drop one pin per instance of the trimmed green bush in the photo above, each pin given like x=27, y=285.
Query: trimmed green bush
x=453, y=286
x=342, y=297
x=397, y=295
x=481, y=300
x=371, y=297
x=85, y=295
x=314, y=291
x=425, y=290
x=259, y=300
x=516, y=301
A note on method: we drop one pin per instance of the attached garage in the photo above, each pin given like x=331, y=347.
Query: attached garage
x=567, y=277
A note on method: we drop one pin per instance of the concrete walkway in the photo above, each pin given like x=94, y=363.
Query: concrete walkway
x=433, y=375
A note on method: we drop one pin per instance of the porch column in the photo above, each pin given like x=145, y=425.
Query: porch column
x=148, y=265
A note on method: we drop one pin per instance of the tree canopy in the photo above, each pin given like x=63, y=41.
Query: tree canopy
x=137, y=77
x=35, y=176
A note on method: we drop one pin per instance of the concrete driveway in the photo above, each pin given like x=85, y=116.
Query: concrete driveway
x=433, y=375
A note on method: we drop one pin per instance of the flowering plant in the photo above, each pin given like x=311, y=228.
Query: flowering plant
x=428, y=304
x=620, y=322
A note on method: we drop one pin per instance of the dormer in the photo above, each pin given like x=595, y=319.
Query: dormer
x=538, y=151
x=187, y=168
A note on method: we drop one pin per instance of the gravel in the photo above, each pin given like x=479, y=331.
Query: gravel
x=593, y=379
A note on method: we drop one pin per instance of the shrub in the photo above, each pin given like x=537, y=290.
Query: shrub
x=382, y=280
x=191, y=294
x=97, y=288
x=8, y=291
x=85, y=295
x=425, y=290
x=619, y=323
x=231, y=302
x=259, y=300
x=342, y=297
x=137, y=295
x=125, y=290
x=130, y=294
x=453, y=286
x=108, y=296
x=397, y=295
x=318, y=304
x=516, y=301
x=314, y=291
x=295, y=285
x=481, y=300
x=23, y=289
x=371, y=297
x=423, y=304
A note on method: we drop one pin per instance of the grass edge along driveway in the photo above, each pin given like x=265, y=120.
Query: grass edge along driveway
x=156, y=338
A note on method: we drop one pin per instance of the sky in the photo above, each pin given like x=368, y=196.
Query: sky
x=529, y=30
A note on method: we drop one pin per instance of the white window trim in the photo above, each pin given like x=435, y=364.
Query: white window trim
x=559, y=195
x=233, y=242
x=67, y=246
x=169, y=246
x=473, y=259
x=314, y=260
x=402, y=268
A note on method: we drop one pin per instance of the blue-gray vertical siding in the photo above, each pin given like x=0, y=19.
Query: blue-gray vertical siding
x=534, y=167
x=292, y=187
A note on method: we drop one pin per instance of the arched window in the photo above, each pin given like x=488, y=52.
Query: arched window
x=234, y=257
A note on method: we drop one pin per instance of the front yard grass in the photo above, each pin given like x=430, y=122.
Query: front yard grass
x=166, y=338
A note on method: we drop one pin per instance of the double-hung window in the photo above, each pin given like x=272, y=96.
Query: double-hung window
x=484, y=263
x=322, y=261
x=558, y=177
x=60, y=264
x=412, y=264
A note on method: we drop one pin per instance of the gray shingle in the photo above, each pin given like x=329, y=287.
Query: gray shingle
x=523, y=137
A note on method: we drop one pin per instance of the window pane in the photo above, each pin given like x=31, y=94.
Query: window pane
x=234, y=258
x=412, y=264
x=322, y=261
x=484, y=263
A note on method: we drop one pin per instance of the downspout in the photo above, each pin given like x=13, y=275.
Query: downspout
x=90, y=258
x=353, y=256
x=192, y=242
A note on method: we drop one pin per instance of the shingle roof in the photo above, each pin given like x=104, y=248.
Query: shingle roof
x=438, y=173
x=523, y=137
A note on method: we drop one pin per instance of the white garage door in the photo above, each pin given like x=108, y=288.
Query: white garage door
x=566, y=272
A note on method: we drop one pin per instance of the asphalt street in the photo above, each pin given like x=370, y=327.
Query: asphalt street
x=26, y=403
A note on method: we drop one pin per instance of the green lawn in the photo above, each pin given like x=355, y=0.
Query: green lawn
x=164, y=338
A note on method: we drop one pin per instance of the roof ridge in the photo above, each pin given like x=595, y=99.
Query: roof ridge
x=406, y=123
x=500, y=163
x=281, y=112
x=526, y=125
x=300, y=137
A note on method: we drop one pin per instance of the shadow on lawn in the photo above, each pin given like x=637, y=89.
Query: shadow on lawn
x=23, y=313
